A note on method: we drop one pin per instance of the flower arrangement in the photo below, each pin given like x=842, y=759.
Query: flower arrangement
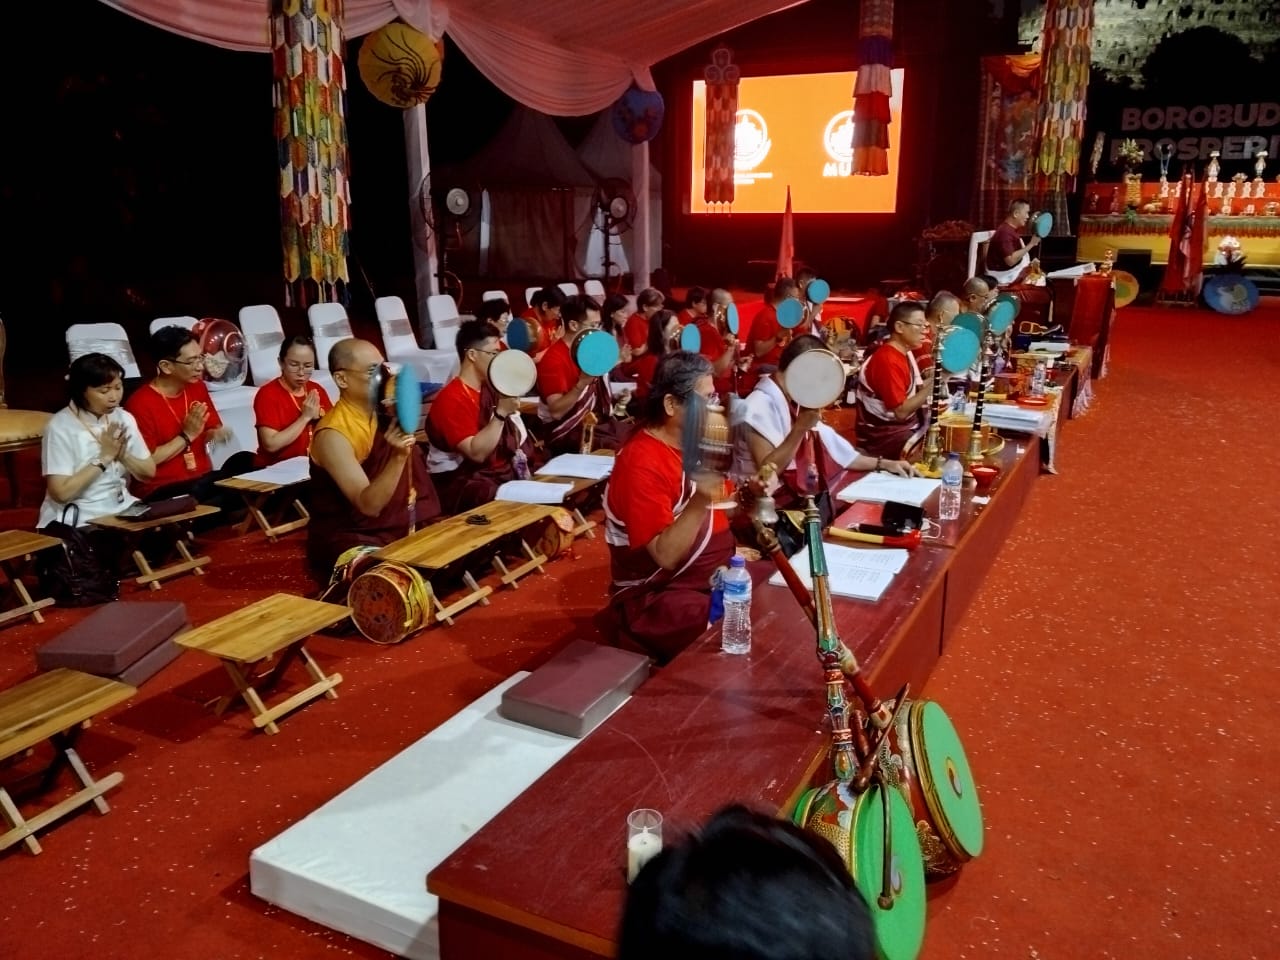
x=1130, y=152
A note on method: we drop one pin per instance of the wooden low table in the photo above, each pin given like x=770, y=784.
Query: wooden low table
x=54, y=706
x=256, y=493
x=153, y=576
x=245, y=641
x=15, y=545
x=572, y=499
x=438, y=546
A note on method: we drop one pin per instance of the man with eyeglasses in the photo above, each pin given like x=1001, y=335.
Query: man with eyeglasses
x=478, y=441
x=369, y=481
x=569, y=395
x=285, y=410
x=892, y=396
x=178, y=421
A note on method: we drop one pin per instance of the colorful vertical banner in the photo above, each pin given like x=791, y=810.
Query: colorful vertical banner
x=873, y=89
x=1007, y=142
x=311, y=134
x=1066, y=45
x=722, y=76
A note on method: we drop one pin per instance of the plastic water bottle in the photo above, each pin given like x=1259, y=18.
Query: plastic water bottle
x=1038, y=378
x=735, y=633
x=952, y=477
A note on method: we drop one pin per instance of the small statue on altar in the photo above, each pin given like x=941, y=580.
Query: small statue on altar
x=1165, y=153
x=1211, y=174
x=1259, y=165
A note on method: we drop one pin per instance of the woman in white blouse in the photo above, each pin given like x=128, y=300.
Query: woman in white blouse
x=92, y=446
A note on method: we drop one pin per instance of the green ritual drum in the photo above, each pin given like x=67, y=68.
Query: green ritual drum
x=924, y=759
x=854, y=824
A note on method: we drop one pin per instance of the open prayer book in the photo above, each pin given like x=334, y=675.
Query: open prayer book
x=883, y=487
x=588, y=466
x=284, y=473
x=864, y=574
x=533, y=491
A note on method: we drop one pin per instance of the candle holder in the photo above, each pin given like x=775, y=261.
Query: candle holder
x=644, y=839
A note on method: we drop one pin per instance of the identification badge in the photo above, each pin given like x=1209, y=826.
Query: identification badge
x=189, y=458
x=120, y=493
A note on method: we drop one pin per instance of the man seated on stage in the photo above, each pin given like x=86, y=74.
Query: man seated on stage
x=976, y=295
x=695, y=306
x=286, y=409
x=665, y=540
x=178, y=421
x=478, y=441
x=1008, y=256
x=544, y=310
x=892, y=397
x=369, y=482
x=569, y=396
x=767, y=432
x=767, y=337
x=942, y=310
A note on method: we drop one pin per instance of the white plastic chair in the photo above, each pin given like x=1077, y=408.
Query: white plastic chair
x=595, y=290
x=443, y=314
x=159, y=323
x=108, y=338
x=528, y=295
x=433, y=366
x=569, y=289
x=494, y=295
x=978, y=239
x=329, y=324
x=263, y=334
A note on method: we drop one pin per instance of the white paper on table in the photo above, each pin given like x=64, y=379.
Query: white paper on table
x=284, y=473
x=851, y=572
x=883, y=487
x=533, y=491
x=588, y=466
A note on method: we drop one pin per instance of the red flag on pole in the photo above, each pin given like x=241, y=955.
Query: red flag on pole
x=787, y=245
x=1198, y=240
x=1174, y=280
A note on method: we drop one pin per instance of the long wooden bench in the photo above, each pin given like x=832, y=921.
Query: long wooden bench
x=54, y=706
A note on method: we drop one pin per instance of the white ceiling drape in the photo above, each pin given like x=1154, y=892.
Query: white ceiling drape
x=559, y=57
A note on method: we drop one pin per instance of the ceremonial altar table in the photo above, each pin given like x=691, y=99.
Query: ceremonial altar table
x=1101, y=230
x=546, y=877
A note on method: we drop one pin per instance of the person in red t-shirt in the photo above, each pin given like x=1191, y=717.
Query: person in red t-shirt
x=767, y=336
x=648, y=302
x=891, y=394
x=544, y=310
x=614, y=315
x=286, y=409
x=569, y=395
x=664, y=336
x=695, y=306
x=478, y=441
x=178, y=421
x=665, y=540
x=498, y=313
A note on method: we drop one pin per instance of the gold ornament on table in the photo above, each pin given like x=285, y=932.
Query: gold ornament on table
x=1131, y=155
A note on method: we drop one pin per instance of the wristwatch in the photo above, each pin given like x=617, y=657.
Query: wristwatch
x=99, y=463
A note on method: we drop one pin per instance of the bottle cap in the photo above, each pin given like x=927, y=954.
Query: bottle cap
x=737, y=561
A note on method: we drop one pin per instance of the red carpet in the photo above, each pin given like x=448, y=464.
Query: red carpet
x=1113, y=684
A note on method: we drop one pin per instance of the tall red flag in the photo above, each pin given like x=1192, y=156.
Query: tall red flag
x=1174, y=280
x=1193, y=269
x=787, y=245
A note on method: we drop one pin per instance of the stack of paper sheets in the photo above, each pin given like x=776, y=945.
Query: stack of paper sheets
x=588, y=466
x=883, y=487
x=285, y=472
x=864, y=574
x=533, y=491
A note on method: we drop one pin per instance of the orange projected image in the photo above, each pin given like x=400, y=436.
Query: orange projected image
x=797, y=131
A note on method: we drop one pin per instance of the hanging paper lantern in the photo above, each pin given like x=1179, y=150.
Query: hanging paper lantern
x=401, y=66
x=637, y=116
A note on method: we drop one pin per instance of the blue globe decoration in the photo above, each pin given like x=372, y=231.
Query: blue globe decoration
x=637, y=116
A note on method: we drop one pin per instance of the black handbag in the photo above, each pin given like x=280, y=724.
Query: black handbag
x=76, y=575
x=790, y=526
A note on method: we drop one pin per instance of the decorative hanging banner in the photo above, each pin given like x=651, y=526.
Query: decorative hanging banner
x=1066, y=45
x=401, y=66
x=722, y=76
x=873, y=89
x=311, y=131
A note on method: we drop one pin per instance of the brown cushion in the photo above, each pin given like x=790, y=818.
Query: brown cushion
x=18, y=425
x=149, y=664
x=576, y=689
x=114, y=637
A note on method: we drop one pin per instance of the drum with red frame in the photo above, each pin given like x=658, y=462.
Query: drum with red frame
x=557, y=534
x=390, y=602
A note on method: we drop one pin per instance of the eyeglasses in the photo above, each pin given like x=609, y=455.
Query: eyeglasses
x=908, y=323
x=487, y=353
x=369, y=371
x=296, y=365
x=193, y=362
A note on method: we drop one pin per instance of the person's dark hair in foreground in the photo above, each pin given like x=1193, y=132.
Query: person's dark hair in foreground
x=746, y=887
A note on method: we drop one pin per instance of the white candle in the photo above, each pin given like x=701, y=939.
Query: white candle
x=641, y=848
